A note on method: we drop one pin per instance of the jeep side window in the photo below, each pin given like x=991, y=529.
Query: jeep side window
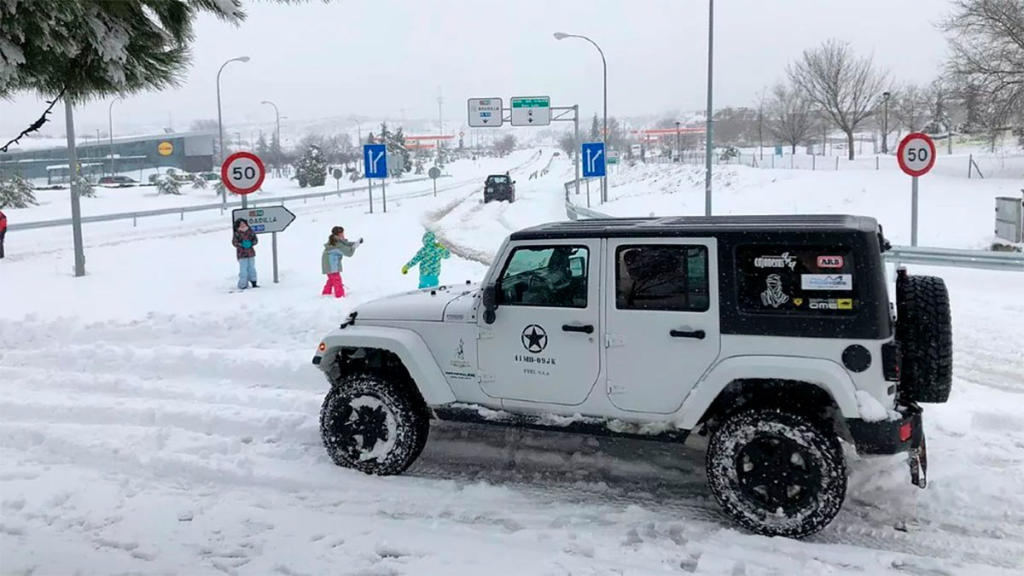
x=662, y=277
x=554, y=276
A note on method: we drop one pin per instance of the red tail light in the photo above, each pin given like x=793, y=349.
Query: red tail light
x=906, y=431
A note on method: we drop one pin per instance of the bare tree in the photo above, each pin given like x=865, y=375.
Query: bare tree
x=987, y=44
x=938, y=99
x=790, y=116
x=505, y=145
x=910, y=107
x=843, y=85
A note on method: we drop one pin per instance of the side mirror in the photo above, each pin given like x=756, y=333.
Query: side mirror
x=513, y=181
x=490, y=301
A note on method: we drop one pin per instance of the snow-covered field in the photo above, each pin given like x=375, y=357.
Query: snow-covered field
x=153, y=422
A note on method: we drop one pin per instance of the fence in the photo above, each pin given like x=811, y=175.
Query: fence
x=1010, y=261
x=182, y=210
x=969, y=165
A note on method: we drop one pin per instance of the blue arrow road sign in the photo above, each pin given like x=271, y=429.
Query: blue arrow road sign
x=375, y=161
x=593, y=160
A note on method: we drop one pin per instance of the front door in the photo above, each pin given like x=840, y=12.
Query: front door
x=662, y=328
x=544, y=344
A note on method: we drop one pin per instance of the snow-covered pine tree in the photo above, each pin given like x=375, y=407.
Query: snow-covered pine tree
x=262, y=150
x=16, y=192
x=311, y=169
x=198, y=182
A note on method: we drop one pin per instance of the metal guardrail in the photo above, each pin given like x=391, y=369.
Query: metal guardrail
x=982, y=259
x=182, y=210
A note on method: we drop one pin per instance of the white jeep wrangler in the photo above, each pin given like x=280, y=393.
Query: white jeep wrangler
x=774, y=335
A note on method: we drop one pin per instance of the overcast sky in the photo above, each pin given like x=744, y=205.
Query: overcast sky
x=391, y=58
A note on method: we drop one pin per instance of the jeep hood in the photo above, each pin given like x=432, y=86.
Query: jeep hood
x=421, y=305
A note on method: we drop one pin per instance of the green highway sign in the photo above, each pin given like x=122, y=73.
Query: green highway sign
x=531, y=110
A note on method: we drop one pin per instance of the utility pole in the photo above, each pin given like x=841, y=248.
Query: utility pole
x=679, y=146
x=885, y=123
x=110, y=131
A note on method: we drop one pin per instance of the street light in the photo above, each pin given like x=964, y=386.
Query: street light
x=110, y=131
x=885, y=123
x=604, y=135
x=277, y=116
x=220, y=122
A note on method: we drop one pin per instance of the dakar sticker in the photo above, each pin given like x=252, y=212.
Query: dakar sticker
x=783, y=260
x=773, y=295
x=826, y=281
x=830, y=262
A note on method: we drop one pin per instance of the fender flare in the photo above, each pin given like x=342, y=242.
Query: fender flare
x=825, y=374
x=406, y=344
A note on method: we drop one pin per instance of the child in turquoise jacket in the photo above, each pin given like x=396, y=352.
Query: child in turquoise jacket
x=429, y=259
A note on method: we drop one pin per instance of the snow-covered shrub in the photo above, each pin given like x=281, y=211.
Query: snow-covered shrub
x=167, y=184
x=198, y=182
x=311, y=169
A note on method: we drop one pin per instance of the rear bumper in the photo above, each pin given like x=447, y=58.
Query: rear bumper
x=889, y=436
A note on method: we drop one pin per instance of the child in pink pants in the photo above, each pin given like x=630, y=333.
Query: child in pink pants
x=335, y=249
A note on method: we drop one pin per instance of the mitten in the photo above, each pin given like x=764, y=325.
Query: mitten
x=405, y=270
x=246, y=244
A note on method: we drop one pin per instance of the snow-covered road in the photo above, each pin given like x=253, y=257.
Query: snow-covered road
x=152, y=422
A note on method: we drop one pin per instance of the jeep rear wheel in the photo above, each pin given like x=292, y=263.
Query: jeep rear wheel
x=776, y=473
x=373, y=425
x=925, y=334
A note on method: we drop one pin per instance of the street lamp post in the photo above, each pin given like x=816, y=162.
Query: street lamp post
x=220, y=121
x=110, y=131
x=277, y=124
x=709, y=136
x=604, y=130
x=885, y=124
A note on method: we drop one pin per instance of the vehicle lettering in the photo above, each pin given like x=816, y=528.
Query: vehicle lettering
x=783, y=260
x=826, y=281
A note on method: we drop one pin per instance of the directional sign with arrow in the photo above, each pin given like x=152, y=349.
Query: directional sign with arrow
x=593, y=160
x=531, y=111
x=265, y=220
x=485, y=113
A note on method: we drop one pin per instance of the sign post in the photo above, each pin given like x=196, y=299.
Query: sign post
x=337, y=173
x=916, y=156
x=269, y=220
x=434, y=174
x=243, y=174
x=375, y=165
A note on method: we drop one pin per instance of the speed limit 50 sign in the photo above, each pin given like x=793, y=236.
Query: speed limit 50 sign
x=916, y=154
x=243, y=173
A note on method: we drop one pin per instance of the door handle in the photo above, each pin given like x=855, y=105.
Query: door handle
x=698, y=334
x=586, y=328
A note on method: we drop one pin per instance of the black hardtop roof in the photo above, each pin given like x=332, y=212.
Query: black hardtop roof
x=698, y=225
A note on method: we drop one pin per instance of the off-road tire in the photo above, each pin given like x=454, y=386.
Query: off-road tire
x=924, y=332
x=385, y=395
x=821, y=459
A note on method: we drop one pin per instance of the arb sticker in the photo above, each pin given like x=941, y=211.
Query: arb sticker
x=830, y=262
x=826, y=281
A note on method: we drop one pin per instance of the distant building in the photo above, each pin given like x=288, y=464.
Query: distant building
x=187, y=151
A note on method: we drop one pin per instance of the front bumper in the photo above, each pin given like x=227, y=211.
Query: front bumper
x=905, y=434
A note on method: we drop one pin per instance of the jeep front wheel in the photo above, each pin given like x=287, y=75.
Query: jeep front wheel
x=372, y=425
x=776, y=473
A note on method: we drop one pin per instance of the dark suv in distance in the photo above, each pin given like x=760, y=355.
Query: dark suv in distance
x=117, y=182
x=499, y=187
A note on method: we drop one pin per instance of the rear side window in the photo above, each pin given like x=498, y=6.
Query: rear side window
x=662, y=277
x=793, y=280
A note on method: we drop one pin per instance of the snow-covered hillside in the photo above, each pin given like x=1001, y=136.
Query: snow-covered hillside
x=152, y=421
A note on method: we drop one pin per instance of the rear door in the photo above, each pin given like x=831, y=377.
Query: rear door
x=662, y=322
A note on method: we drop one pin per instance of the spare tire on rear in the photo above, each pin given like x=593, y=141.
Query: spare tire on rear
x=925, y=333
